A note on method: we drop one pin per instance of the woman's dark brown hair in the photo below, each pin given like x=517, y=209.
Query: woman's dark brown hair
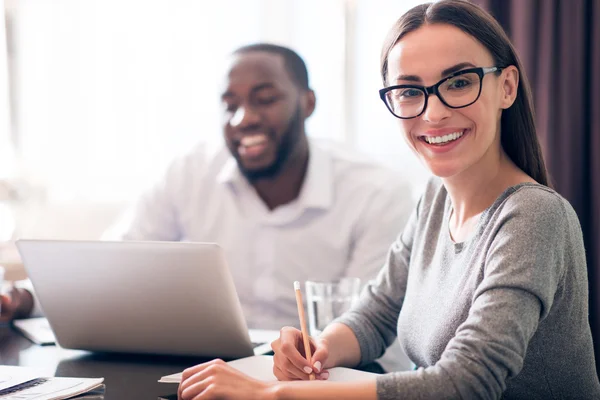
x=517, y=126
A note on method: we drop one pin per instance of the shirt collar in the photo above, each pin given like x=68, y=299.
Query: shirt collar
x=317, y=189
x=230, y=173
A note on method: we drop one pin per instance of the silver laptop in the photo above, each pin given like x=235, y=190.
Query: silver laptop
x=139, y=297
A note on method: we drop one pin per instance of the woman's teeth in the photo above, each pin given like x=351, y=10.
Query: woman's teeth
x=443, y=139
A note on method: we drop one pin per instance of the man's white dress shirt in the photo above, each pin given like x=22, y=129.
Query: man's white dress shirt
x=348, y=213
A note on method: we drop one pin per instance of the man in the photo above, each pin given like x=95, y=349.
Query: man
x=283, y=207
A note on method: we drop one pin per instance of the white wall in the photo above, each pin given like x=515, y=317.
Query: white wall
x=6, y=151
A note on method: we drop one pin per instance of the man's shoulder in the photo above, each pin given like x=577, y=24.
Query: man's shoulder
x=352, y=167
x=203, y=159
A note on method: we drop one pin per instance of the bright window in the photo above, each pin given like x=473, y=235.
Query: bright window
x=107, y=92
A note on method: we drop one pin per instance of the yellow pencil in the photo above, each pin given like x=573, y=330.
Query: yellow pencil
x=303, y=326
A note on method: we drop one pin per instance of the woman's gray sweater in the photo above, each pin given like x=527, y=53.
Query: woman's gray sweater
x=501, y=315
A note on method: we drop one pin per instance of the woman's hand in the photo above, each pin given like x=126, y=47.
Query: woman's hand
x=217, y=380
x=289, y=361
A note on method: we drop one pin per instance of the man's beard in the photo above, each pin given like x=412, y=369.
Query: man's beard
x=289, y=141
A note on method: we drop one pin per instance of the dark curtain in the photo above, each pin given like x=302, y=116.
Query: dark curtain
x=559, y=44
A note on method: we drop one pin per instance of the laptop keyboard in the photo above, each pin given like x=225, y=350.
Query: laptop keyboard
x=262, y=349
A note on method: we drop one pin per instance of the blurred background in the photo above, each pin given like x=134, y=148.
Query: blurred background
x=97, y=96
x=104, y=93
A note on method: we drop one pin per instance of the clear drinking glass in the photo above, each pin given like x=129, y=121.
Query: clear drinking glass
x=328, y=300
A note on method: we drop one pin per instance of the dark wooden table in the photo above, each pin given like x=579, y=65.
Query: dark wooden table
x=126, y=377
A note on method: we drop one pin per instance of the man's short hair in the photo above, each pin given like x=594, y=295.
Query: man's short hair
x=293, y=62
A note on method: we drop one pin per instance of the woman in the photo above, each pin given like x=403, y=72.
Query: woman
x=486, y=286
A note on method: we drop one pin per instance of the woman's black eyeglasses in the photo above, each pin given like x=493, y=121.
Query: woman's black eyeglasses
x=458, y=90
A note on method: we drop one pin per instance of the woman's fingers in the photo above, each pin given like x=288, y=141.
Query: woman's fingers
x=320, y=356
x=288, y=350
x=290, y=371
x=289, y=362
x=198, y=372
